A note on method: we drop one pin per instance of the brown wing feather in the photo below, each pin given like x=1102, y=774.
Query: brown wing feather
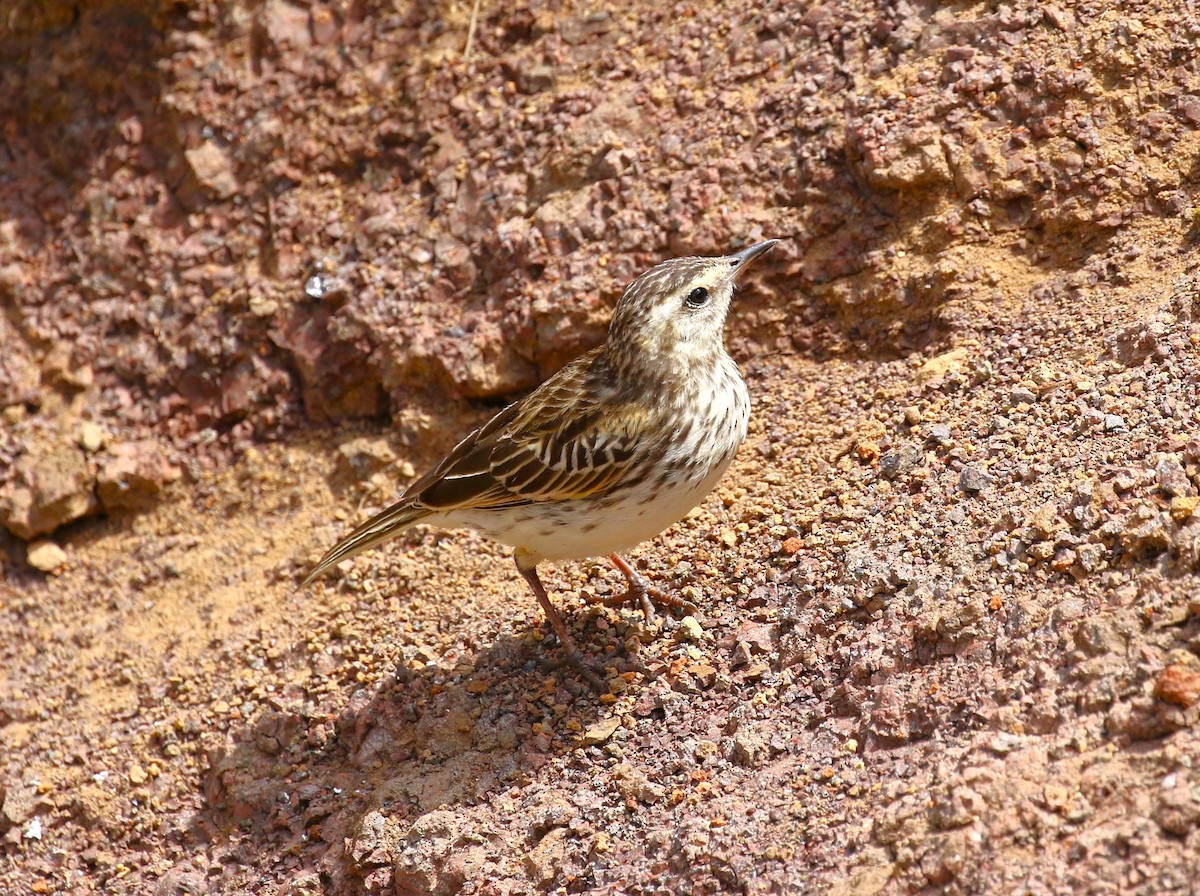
x=568, y=439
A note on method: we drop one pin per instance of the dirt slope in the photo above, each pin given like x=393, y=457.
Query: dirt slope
x=260, y=263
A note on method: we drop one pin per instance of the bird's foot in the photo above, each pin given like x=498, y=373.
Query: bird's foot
x=642, y=594
x=592, y=671
x=646, y=599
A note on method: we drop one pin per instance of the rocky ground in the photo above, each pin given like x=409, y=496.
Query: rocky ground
x=260, y=263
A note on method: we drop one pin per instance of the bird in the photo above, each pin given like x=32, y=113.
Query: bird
x=615, y=447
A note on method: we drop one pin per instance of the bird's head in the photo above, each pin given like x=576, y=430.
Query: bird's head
x=674, y=314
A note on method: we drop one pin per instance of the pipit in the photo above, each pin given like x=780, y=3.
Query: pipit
x=608, y=452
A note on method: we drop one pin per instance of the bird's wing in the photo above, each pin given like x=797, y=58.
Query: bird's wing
x=564, y=441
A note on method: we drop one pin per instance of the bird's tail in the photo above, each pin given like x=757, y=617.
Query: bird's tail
x=379, y=528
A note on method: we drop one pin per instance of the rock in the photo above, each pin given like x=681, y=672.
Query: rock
x=601, y=731
x=632, y=783
x=749, y=750
x=19, y=378
x=1060, y=18
x=940, y=435
x=1021, y=395
x=325, y=27
x=20, y=802
x=569, y=319
x=1090, y=557
x=438, y=856
x=689, y=629
x=61, y=367
x=358, y=459
x=897, y=463
x=953, y=361
x=1044, y=374
x=133, y=475
x=915, y=160
x=558, y=219
x=90, y=436
x=335, y=379
x=1179, y=684
x=580, y=157
x=1178, y=808
x=1139, y=341
x=742, y=655
x=973, y=480
x=534, y=78
x=1189, y=107
x=1182, y=509
x=579, y=29
x=1003, y=743
x=1046, y=521
x=46, y=556
x=49, y=485
x=373, y=840
x=956, y=805
x=1145, y=533
x=454, y=259
x=213, y=168
x=285, y=25
x=1172, y=478
x=303, y=883
x=182, y=880
x=482, y=363
x=98, y=807
x=447, y=734
x=1115, y=423
x=760, y=637
x=542, y=863
x=1097, y=636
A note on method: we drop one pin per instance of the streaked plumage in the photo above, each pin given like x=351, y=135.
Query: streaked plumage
x=608, y=452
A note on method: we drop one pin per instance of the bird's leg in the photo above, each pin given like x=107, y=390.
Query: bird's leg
x=528, y=569
x=642, y=593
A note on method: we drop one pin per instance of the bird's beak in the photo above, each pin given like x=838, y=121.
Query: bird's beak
x=741, y=260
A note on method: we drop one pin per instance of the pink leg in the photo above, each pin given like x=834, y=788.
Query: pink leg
x=642, y=593
x=574, y=656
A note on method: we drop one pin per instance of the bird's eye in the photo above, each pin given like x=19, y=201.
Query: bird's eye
x=697, y=297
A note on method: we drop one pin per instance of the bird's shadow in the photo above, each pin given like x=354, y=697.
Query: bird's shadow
x=330, y=791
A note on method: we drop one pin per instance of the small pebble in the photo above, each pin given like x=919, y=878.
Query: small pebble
x=973, y=479
x=90, y=437
x=1043, y=374
x=792, y=545
x=940, y=433
x=1021, y=395
x=895, y=463
x=601, y=731
x=1183, y=508
x=1172, y=477
x=46, y=556
x=689, y=629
